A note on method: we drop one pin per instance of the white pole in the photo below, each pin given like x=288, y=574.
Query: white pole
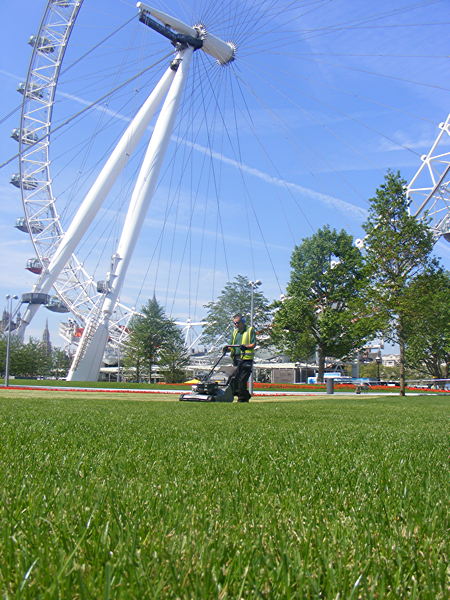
x=9, y=298
x=250, y=382
x=147, y=180
x=251, y=304
x=139, y=203
x=99, y=190
x=253, y=285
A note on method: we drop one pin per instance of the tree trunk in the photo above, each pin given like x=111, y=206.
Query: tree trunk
x=150, y=365
x=321, y=365
x=138, y=370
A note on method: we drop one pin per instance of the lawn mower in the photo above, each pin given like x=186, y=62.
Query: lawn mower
x=212, y=391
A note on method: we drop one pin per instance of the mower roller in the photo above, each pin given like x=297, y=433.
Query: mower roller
x=211, y=391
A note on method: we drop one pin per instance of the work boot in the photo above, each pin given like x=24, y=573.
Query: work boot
x=246, y=399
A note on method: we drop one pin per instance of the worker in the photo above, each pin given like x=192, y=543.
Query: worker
x=242, y=351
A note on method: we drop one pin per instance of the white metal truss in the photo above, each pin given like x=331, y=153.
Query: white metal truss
x=189, y=329
x=93, y=304
x=429, y=189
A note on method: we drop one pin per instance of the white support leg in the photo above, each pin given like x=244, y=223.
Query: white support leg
x=99, y=190
x=147, y=179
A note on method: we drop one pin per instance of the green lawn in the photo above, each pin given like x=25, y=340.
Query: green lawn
x=317, y=498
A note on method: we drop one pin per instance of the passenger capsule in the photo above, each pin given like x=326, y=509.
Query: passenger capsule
x=41, y=44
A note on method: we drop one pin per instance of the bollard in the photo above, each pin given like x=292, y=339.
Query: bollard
x=330, y=385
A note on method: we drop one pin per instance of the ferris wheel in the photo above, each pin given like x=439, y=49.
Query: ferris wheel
x=58, y=267
x=429, y=188
x=205, y=143
x=96, y=304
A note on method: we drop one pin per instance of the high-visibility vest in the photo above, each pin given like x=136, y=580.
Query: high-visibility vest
x=246, y=339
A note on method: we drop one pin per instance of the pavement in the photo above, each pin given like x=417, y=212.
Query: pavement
x=260, y=393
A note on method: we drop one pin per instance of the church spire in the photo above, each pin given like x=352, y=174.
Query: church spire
x=46, y=338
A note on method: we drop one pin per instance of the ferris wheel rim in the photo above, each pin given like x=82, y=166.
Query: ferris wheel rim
x=430, y=185
x=43, y=223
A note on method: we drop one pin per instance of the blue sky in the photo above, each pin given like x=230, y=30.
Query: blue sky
x=323, y=97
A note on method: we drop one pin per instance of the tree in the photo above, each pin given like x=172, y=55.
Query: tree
x=173, y=359
x=427, y=324
x=134, y=351
x=320, y=312
x=397, y=250
x=26, y=360
x=61, y=361
x=234, y=298
x=14, y=347
x=150, y=335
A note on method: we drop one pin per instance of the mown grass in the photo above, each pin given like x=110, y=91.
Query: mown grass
x=326, y=498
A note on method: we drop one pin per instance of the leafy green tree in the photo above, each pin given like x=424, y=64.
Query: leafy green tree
x=44, y=358
x=321, y=311
x=29, y=359
x=134, y=355
x=174, y=358
x=235, y=298
x=150, y=335
x=14, y=347
x=32, y=359
x=427, y=324
x=398, y=249
x=61, y=361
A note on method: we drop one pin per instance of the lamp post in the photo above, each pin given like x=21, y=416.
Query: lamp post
x=379, y=361
x=9, y=299
x=253, y=285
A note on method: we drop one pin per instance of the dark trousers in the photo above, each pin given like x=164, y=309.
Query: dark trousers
x=242, y=375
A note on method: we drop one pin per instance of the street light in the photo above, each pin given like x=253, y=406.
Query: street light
x=379, y=361
x=9, y=299
x=253, y=285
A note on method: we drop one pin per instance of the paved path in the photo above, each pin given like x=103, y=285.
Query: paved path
x=260, y=393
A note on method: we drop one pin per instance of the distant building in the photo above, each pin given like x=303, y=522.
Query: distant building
x=8, y=320
x=46, y=339
x=390, y=360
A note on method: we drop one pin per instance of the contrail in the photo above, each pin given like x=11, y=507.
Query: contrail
x=342, y=205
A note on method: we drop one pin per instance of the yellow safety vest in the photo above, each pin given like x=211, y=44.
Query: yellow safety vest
x=246, y=339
